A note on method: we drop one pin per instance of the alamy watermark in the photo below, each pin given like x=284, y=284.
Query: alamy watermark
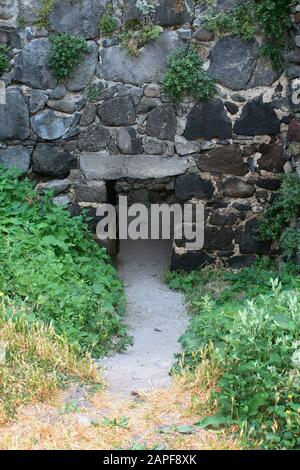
x=154, y=222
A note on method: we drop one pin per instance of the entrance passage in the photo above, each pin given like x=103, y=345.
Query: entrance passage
x=156, y=317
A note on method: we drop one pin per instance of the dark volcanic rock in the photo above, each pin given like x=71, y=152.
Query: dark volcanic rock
x=272, y=158
x=161, y=122
x=117, y=111
x=208, y=120
x=257, y=118
x=189, y=186
x=190, y=261
x=238, y=262
x=225, y=160
x=168, y=12
x=294, y=130
x=272, y=184
x=249, y=240
x=52, y=161
x=233, y=61
x=129, y=142
x=235, y=187
x=16, y=156
x=218, y=239
x=94, y=138
x=228, y=218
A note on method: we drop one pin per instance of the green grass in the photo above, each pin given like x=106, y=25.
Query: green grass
x=247, y=325
x=51, y=267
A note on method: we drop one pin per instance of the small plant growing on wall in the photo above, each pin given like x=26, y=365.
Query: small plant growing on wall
x=67, y=52
x=186, y=76
x=108, y=22
x=4, y=60
x=42, y=20
x=137, y=33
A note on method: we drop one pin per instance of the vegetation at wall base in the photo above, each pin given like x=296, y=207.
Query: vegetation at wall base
x=284, y=211
x=272, y=17
x=245, y=327
x=185, y=76
x=35, y=363
x=67, y=52
x=51, y=267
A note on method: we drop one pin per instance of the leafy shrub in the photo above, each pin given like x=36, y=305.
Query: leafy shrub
x=284, y=208
x=271, y=16
x=42, y=20
x=136, y=35
x=4, y=60
x=108, y=24
x=49, y=262
x=185, y=75
x=34, y=362
x=67, y=52
x=256, y=348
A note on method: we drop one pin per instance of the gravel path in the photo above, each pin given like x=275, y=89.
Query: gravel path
x=156, y=317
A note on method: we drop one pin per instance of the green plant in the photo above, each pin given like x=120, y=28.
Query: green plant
x=256, y=349
x=50, y=264
x=42, y=20
x=67, y=52
x=271, y=16
x=4, y=60
x=93, y=93
x=108, y=24
x=136, y=35
x=283, y=210
x=185, y=75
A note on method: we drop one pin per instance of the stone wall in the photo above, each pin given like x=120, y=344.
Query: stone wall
x=225, y=152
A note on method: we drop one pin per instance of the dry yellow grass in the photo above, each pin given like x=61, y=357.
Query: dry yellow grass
x=45, y=427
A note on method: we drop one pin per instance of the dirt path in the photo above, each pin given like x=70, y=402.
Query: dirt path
x=156, y=317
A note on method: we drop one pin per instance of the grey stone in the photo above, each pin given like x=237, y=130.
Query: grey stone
x=55, y=186
x=91, y=191
x=16, y=156
x=52, y=161
x=59, y=92
x=257, y=118
x=79, y=17
x=167, y=13
x=88, y=114
x=185, y=147
x=103, y=166
x=128, y=141
x=117, y=111
x=94, y=138
x=233, y=61
x=32, y=65
x=193, y=186
x=118, y=65
x=147, y=104
x=85, y=70
x=51, y=125
x=235, y=187
x=161, y=122
x=66, y=105
x=62, y=201
x=14, y=116
x=154, y=147
x=203, y=35
x=208, y=120
x=37, y=101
